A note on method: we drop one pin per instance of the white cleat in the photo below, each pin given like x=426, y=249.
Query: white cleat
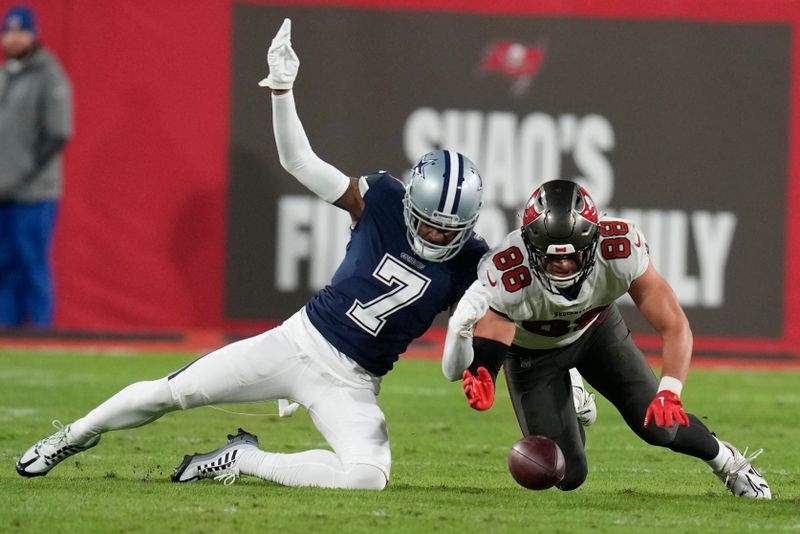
x=585, y=406
x=50, y=451
x=219, y=464
x=741, y=477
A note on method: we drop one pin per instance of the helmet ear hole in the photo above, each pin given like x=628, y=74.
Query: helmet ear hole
x=445, y=194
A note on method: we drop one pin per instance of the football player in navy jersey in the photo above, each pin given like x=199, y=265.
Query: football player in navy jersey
x=544, y=302
x=411, y=255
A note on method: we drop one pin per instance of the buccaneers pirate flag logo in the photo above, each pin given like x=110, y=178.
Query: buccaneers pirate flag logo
x=516, y=61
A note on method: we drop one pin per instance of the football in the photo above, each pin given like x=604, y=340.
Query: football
x=536, y=462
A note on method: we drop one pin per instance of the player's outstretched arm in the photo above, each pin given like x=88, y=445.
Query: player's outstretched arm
x=659, y=305
x=294, y=149
x=458, y=354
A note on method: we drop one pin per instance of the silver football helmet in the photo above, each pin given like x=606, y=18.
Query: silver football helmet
x=444, y=193
x=560, y=219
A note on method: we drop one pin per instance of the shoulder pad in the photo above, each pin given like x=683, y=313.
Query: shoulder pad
x=622, y=247
x=510, y=254
x=369, y=180
x=478, y=246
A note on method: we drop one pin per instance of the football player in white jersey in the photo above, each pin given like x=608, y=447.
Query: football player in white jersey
x=544, y=302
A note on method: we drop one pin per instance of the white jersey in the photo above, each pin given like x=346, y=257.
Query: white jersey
x=544, y=319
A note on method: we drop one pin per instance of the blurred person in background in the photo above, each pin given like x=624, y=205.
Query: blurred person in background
x=35, y=125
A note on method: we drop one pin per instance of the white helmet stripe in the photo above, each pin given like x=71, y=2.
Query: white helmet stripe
x=453, y=182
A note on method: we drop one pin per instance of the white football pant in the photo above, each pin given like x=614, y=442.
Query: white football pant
x=291, y=361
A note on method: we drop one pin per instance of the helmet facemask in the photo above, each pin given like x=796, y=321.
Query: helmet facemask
x=438, y=221
x=444, y=194
x=555, y=282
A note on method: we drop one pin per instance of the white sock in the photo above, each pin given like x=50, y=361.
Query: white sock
x=722, y=457
x=317, y=468
x=136, y=405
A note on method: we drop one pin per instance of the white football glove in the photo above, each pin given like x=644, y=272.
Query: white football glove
x=473, y=305
x=281, y=60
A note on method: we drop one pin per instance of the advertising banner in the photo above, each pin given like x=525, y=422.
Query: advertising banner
x=680, y=126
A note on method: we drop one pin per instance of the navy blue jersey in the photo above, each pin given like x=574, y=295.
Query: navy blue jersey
x=383, y=295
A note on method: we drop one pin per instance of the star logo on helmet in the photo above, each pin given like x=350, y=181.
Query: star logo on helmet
x=416, y=171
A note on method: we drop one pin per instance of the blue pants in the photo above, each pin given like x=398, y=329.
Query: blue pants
x=26, y=286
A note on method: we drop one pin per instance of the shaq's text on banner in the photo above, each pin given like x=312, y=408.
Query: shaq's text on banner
x=516, y=154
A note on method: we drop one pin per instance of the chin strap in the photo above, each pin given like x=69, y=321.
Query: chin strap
x=426, y=252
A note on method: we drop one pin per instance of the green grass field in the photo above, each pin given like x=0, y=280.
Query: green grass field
x=449, y=462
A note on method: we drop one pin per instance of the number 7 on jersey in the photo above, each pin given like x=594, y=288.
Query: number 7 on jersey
x=406, y=286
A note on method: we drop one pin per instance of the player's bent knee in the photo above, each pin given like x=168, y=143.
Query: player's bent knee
x=154, y=396
x=365, y=476
x=573, y=479
x=186, y=395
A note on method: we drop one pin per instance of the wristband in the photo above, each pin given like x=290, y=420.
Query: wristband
x=672, y=384
x=489, y=354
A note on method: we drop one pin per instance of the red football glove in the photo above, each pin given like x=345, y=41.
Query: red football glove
x=479, y=389
x=666, y=408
